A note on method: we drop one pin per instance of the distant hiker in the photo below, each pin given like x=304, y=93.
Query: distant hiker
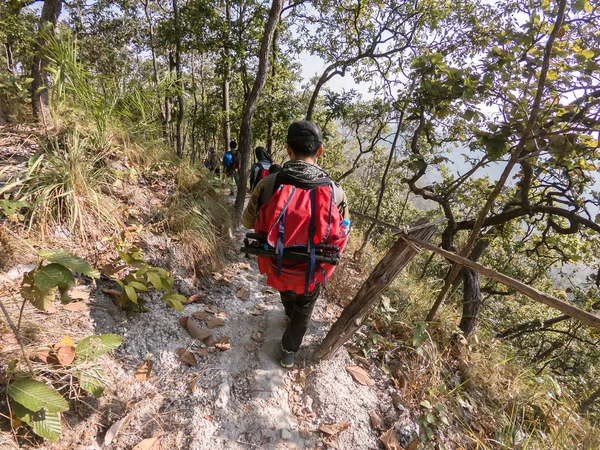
x=231, y=166
x=260, y=169
x=213, y=161
x=298, y=207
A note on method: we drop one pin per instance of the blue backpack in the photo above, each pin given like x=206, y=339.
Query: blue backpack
x=227, y=159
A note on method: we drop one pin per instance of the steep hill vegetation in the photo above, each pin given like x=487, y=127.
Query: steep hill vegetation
x=483, y=117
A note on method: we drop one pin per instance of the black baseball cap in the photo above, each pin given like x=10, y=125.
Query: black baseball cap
x=303, y=131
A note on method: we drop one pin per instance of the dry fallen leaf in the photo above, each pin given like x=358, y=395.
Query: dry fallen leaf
x=196, y=298
x=360, y=375
x=203, y=352
x=114, y=430
x=148, y=444
x=212, y=309
x=112, y=292
x=376, y=421
x=245, y=266
x=258, y=337
x=223, y=343
x=334, y=429
x=186, y=357
x=268, y=291
x=242, y=293
x=78, y=294
x=217, y=276
x=144, y=370
x=192, y=327
x=111, y=269
x=193, y=384
x=200, y=315
x=215, y=323
x=43, y=356
x=256, y=312
x=390, y=441
x=250, y=347
x=73, y=307
x=413, y=445
x=65, y=355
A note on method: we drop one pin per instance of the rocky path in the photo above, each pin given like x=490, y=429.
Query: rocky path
x=237, y=396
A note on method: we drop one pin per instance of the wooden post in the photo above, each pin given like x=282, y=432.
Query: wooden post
x=585, y=317
x=367, y=297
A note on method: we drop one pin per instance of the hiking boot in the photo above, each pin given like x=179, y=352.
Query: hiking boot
x=287, y=358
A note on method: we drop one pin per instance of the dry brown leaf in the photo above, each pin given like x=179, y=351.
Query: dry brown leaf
x=245, y=266
x=215, y=323
x=114, y=430
x=144, y=370
x=148, y=444
x=222, y=315
x=242, y=293
x=256, y=312
x=78, y=294
x=223, y=343
x=390, y=441
x=203, y=352
x=192, y=327
x=200, y=315
x=334, y=429
x=258, y=337
x=111, y=269
x=413, y=445
x=186, y=357
x=193, y=384
x=212, y=309
x=43, y=356
x=196, y=298
x=250, y=347
x=260, y=306
x=268, y=291
x=360, y=375
x=65, y=355
x=210, y=341
x=217, y=276
x=112, y=292
x=377, y=422
x=73, y=307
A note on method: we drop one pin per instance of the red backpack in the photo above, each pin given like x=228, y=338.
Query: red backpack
x=300, y=214
x=263, y=173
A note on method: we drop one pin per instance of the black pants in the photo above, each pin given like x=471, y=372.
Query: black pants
x=298, y=308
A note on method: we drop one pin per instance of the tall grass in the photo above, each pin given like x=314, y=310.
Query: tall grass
x=63, y=186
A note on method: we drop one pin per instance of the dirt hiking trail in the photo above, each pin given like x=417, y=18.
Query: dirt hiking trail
x=238, y=396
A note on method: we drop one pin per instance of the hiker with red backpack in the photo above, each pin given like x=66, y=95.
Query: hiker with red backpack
x=260, y=169
x=300, y=218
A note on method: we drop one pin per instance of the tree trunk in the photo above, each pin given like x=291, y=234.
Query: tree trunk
x=195, y=113
x=162, y=113
x=383, y=185
x=10, y=65
x=226, y=76
x=471, y=301
x=39, y=85
x=368, y=296
x=250, y=105
x=178, y=137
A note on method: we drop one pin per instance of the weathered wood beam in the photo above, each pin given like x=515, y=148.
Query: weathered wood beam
x=585, y=317
x=369, y=294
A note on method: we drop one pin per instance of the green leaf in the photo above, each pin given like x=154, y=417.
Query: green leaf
x=35, y=395
x=420, y=334
x=138, y=286
x=71, y=261
x=93, y=346
x=431, y=419
x=53, y=275
x=587, y=54
x=131, y=294
x=155, y=280
x=92, y=381
x=44, y=423
x=174, y=300
x=34, y=295
x=426, y=404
